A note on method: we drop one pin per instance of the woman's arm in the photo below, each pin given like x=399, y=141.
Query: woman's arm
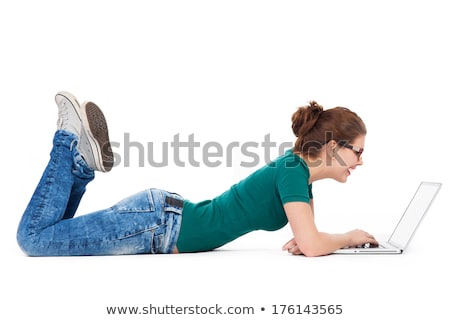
x=309, y=241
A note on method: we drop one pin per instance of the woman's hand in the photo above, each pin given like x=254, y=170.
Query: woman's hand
x=356, y=238
x=292, y=247
x=312, y=243
x=360, y=237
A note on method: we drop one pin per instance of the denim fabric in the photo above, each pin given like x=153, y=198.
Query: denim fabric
x=147, y=222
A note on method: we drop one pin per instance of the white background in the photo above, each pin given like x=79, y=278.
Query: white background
x=231, y=71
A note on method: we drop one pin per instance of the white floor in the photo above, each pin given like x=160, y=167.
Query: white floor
x=250, y=272
x=231, y=71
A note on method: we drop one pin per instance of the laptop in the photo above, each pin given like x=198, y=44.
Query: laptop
x=407, y=226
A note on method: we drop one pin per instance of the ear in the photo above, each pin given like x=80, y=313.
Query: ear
x=331, y=148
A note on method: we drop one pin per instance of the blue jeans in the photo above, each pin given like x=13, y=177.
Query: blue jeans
x=147, y=222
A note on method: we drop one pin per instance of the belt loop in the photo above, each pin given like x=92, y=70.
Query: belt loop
x=174, y=202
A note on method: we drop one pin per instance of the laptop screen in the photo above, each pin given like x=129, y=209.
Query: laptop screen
x=414, y=213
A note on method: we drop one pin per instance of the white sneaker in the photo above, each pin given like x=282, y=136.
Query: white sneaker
x=94, y=143
x=69, y=113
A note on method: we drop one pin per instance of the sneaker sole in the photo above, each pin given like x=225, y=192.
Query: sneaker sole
x=96, y=131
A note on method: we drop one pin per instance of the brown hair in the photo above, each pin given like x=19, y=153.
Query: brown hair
x=314, y=127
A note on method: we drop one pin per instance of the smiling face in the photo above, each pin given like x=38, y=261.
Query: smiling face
x=345, y=159
x=320, y=140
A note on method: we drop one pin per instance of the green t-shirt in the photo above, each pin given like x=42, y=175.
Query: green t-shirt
x=255, y=203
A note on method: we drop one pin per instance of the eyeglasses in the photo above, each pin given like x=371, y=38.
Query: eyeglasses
x=357, y=150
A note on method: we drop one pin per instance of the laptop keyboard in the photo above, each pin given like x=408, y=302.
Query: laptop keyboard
x=369, y=245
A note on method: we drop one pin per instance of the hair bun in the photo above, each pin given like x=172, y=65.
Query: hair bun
x=304, y=119
x=315, y=108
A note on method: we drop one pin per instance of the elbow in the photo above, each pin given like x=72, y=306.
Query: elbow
x=312, y=253
x=312, y=249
